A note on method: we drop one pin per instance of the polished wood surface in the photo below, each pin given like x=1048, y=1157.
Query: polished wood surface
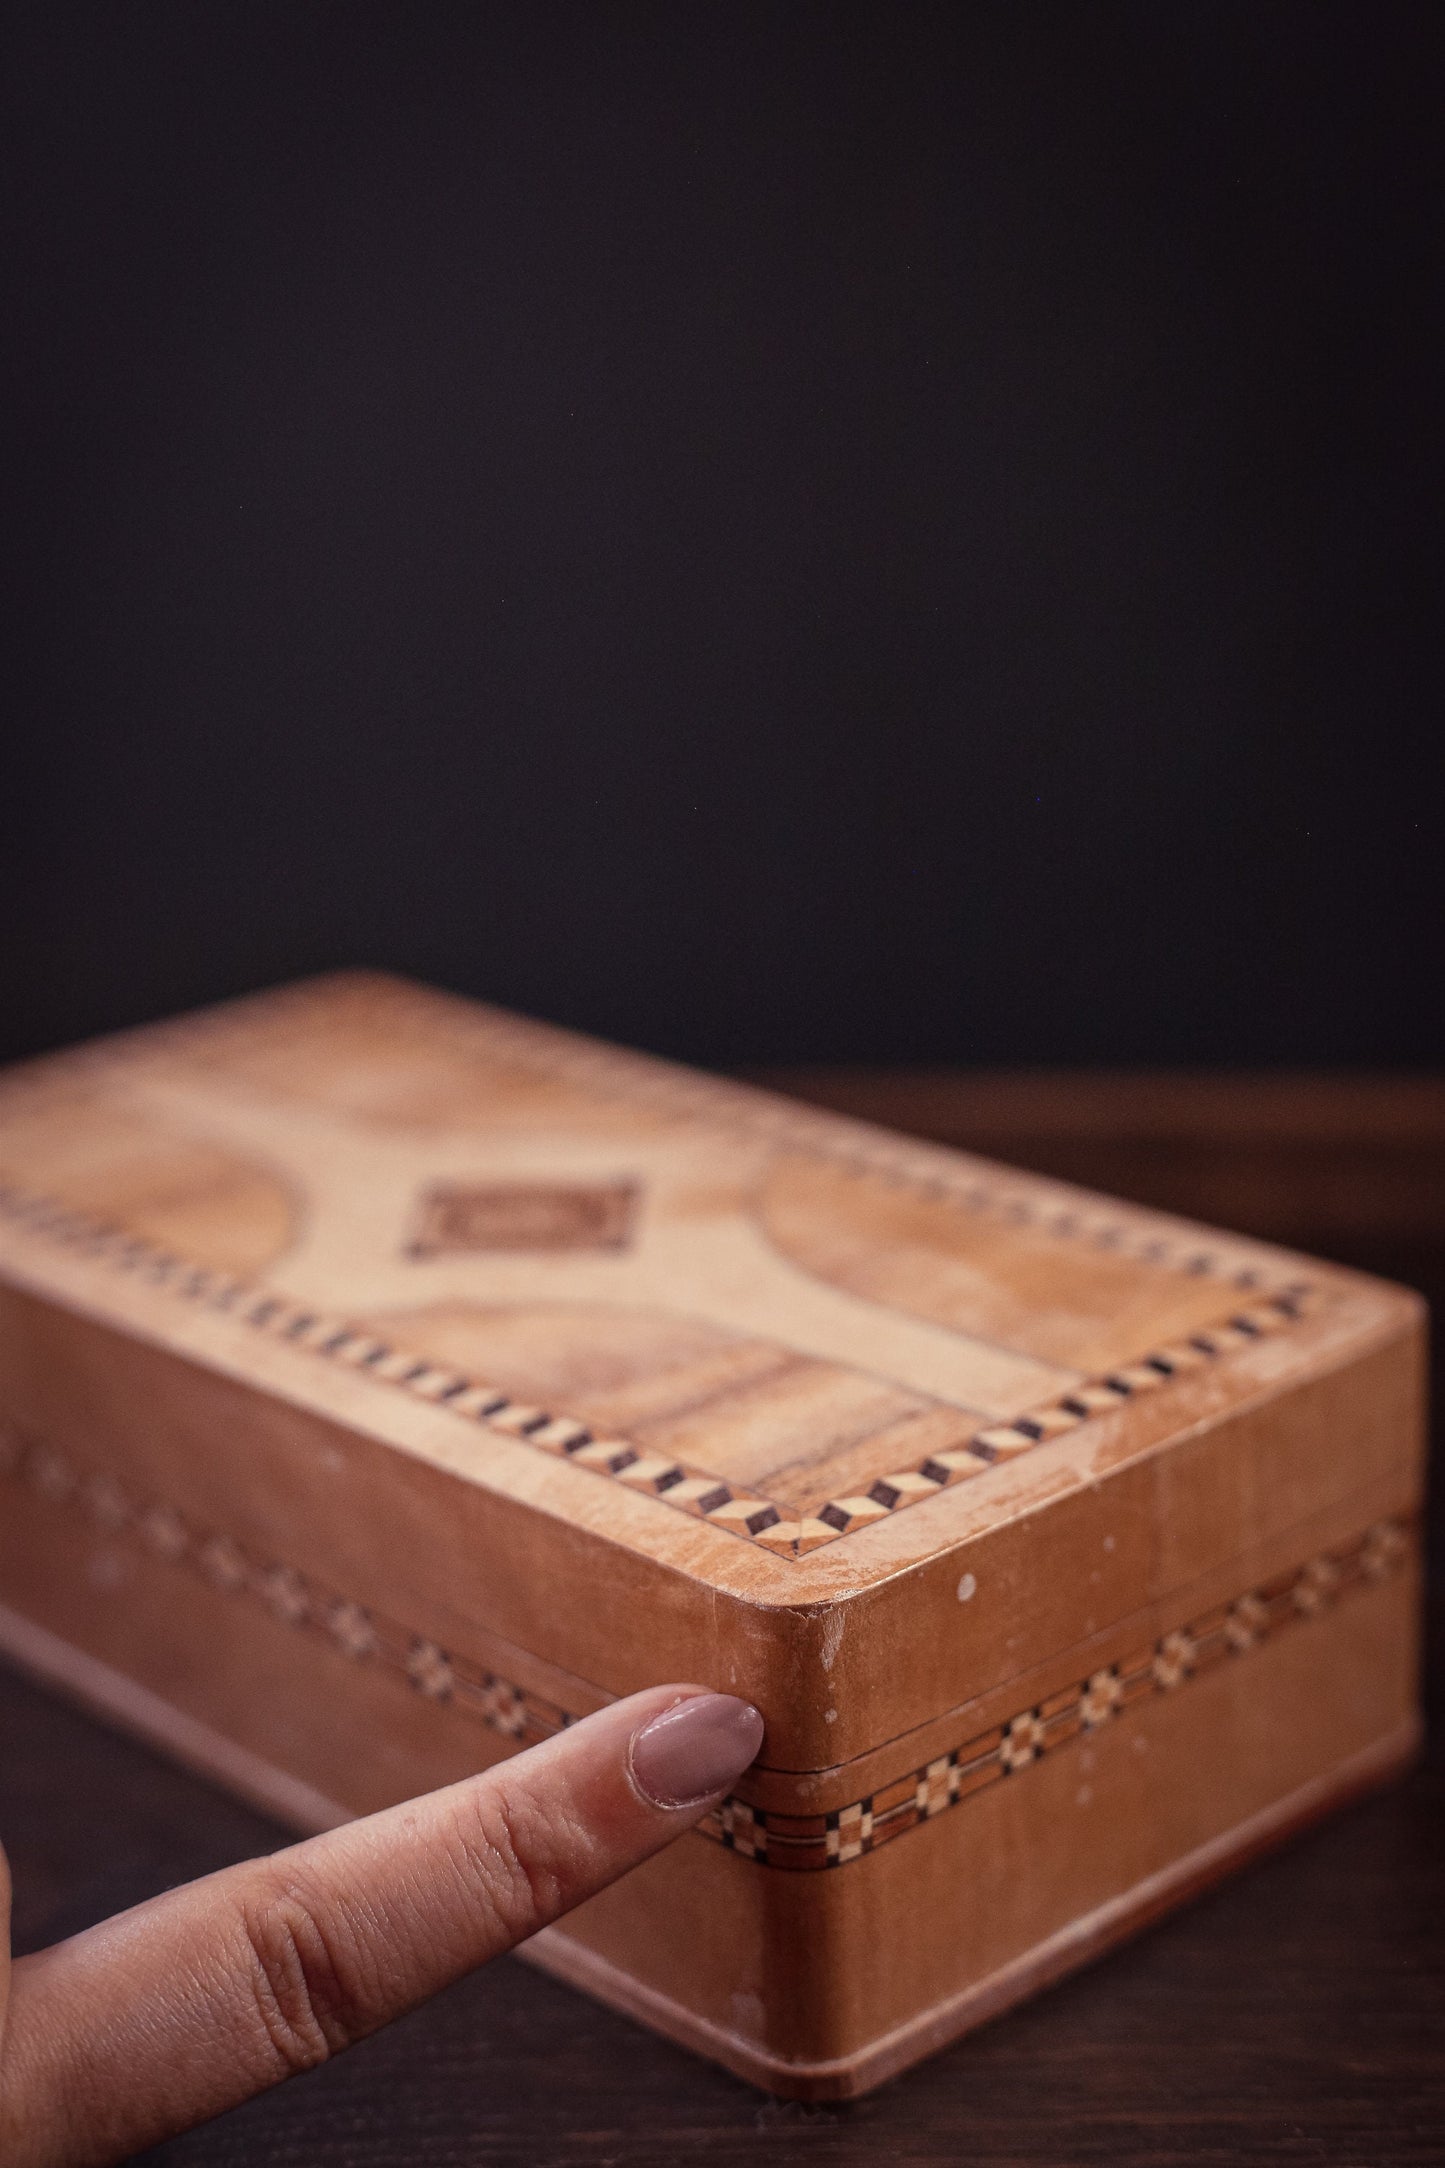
x=384, y=1379
x=1318, y=1161
x=784, y=1329
x=1295, y=2015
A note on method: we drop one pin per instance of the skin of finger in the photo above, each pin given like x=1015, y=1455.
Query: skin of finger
x=167, y=2014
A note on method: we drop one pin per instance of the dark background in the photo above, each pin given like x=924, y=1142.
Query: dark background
x=781, y=533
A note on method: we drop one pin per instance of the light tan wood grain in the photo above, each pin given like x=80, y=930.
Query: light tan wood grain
x=384, y=1380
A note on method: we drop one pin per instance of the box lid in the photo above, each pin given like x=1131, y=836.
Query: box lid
x=720, y=1386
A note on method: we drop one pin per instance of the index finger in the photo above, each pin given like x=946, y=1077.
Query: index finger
x=167, y=2014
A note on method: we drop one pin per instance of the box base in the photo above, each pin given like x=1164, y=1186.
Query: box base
x=120, y=1700
x=1077, y=1945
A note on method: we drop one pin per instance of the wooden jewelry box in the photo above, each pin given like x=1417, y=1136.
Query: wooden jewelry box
x=385, y=1381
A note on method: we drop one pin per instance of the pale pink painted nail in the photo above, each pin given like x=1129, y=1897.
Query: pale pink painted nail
x=695, y=1749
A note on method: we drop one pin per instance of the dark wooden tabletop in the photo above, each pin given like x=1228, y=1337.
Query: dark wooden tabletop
x=1295, y=2014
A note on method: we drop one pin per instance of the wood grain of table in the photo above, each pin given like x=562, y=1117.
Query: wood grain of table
x=1294, y=2014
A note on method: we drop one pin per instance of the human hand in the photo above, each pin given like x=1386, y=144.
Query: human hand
x=165, y=2015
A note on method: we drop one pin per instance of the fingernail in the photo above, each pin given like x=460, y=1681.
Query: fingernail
x=695, y=1748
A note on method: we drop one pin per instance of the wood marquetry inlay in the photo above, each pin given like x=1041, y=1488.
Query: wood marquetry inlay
x=795, y=1843
x=1085, y=1706
x=1252, y=1314
x=297, y=1600
x=516, y=1217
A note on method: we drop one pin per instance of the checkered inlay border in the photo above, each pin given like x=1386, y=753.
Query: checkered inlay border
x=795, y=1843
x=293, y=1598
x=1256, y=1314
x=798, y=1842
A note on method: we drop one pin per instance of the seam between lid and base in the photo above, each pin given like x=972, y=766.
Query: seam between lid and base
x=794, y=1843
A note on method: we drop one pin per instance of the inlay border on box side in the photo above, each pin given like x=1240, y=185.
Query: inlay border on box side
x=293, y=1598
x=722, y=1504
x=791, y=1843
x=799, y=1843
